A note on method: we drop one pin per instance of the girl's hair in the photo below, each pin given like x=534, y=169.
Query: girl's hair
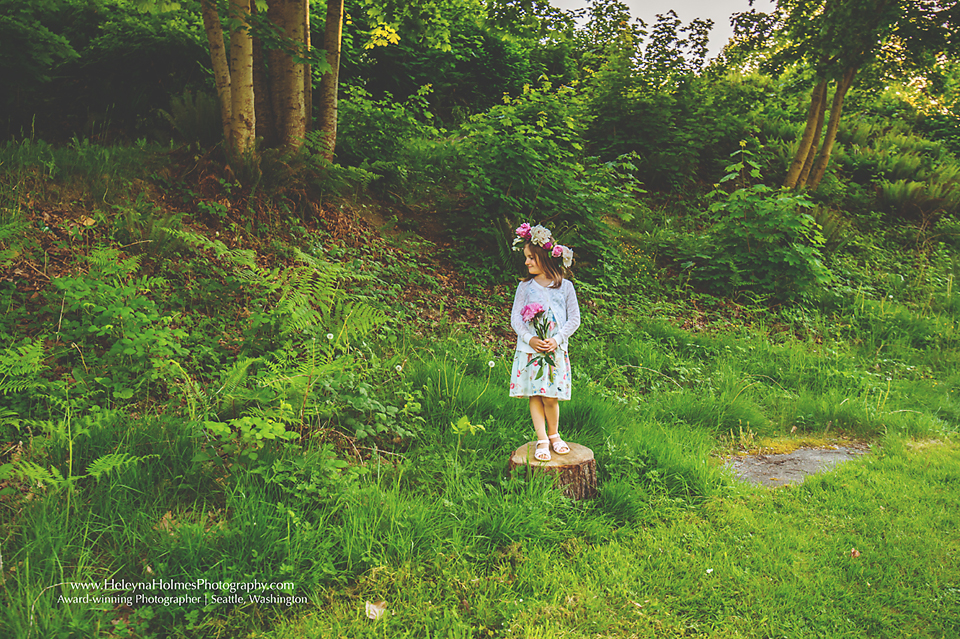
x=552, y=266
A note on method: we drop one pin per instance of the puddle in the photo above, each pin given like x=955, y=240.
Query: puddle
x=791, y=468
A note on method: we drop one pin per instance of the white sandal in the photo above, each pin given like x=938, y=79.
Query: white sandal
x=542, y=454
x=559, y=446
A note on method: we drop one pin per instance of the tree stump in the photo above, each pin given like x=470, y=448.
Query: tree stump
x=575, y=472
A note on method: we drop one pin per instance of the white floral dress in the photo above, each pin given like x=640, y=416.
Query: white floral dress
x=531, y=375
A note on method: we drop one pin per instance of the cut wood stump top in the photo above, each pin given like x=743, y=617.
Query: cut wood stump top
x=577, y=455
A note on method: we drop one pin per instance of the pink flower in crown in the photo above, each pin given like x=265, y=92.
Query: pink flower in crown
x=557, y=250
x=524, y=231
x=530, y=311
x=548, y=246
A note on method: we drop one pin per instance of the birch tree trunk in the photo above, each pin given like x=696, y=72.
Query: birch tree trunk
x=292, y=118
x=806, y=141
x=243, y=125
x=329, y=83
x=218, y=61
x=820, y=166
x=307, y=70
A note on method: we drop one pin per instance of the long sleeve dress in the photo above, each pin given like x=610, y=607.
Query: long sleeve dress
x=531, y=374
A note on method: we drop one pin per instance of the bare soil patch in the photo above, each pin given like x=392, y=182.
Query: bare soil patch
x=794, y=467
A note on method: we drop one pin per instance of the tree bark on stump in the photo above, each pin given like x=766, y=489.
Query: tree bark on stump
x=575, y=472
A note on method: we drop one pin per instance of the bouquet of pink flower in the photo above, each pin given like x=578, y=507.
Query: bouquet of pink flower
x=536, y=315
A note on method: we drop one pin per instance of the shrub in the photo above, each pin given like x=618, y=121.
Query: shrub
x=524, y=159
x=762, y=241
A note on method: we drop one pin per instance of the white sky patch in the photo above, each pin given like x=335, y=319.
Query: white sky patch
x=717, y=10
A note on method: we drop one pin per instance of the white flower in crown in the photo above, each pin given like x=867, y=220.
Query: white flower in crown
x=540, y=235
x=567, y=257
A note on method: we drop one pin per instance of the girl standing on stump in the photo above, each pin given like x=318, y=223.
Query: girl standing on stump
x=545, y=315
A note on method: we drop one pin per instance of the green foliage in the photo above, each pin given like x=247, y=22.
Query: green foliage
x=102, y=172
x=29, y=50
x=373, y=134
x=944, y=128
x=760, y=240
x=98, y=468
x=284, y=437
x=196, y=118
x=524, y=160
x=119, y=334
x=242, y=438
x=521, y=158
x=111, y=66
x=302, y=300
x=763, y=242
x=923, y=201
x=678, y=124
x=311, y=475
x=470, y=75
x=21, y=367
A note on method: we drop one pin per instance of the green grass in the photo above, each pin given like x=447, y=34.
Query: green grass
x=457, y=548
x=744, y=563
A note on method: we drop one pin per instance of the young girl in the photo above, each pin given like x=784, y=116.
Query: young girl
x=545, y=315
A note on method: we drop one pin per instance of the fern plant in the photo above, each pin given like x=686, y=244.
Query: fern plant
x=306, y=299
x=58, y=480
x=21, y=367
x=55, y=479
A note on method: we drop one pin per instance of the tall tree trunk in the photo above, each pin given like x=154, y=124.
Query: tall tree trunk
x=243, y=124
x=218, y=60
x=806, y=141
x=820, y=166
x=293, y=118
x=808, y=163
x=307, y=70
x=329, y=83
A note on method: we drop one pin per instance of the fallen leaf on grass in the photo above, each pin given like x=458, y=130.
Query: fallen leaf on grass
x=375, y=610
x=854, y=553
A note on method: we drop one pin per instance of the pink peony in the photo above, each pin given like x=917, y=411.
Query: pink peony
x=557, y=250
x=547, y=246
x=530, y=311
x=524, y=231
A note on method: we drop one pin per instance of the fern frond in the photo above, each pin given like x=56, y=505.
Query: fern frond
x=236, y=375
x=351, y=320
x=113, y=461
x=307, y=368
x=245, y=258
x=37, y=474
x=306, y=295
x=20, y=367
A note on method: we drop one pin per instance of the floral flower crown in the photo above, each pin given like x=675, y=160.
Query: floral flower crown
x=540, y=235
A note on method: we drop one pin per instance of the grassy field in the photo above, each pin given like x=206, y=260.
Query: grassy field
x=332, y=417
